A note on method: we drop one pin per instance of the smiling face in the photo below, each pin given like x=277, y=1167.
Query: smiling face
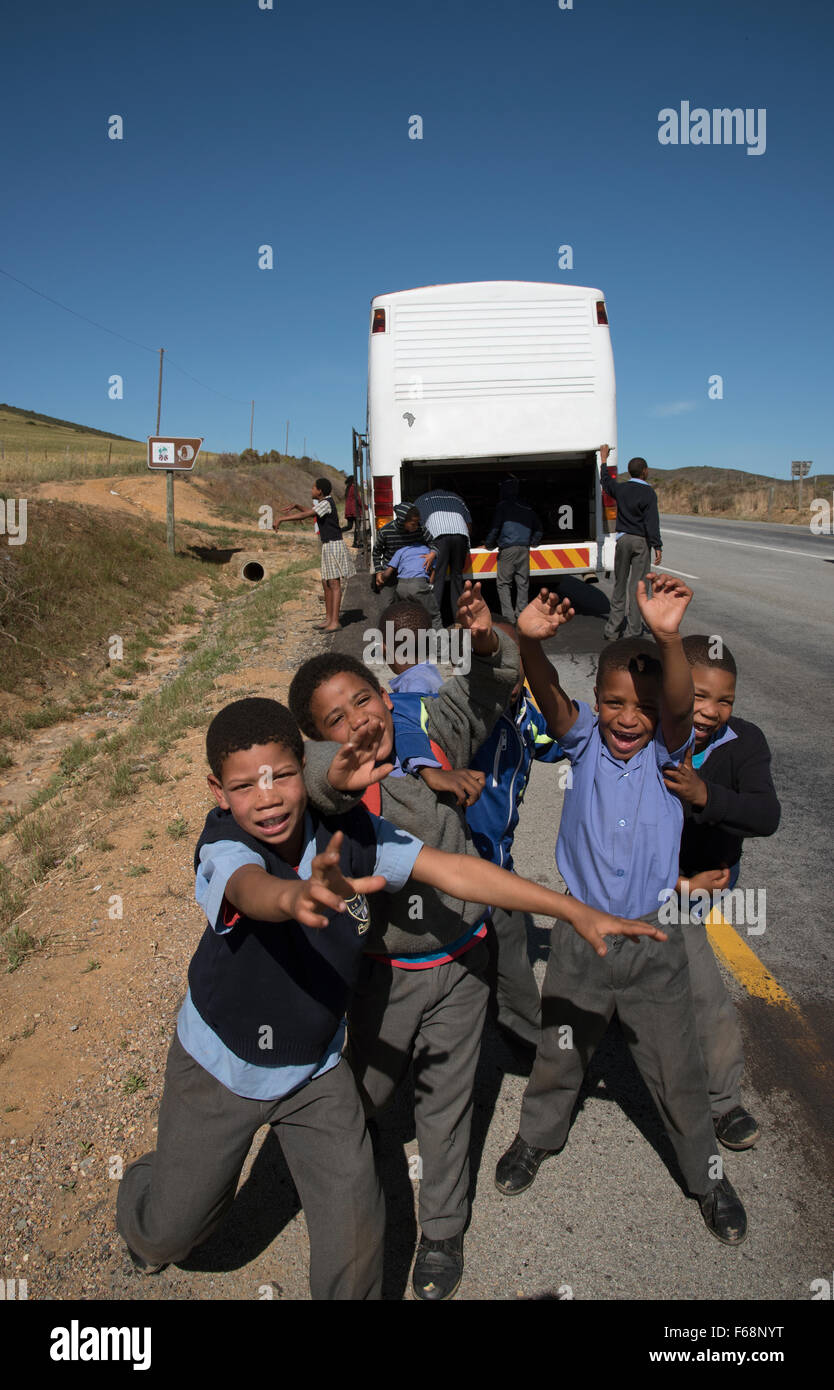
x=715, y=691
x=263, y=787
x=629, y=711
x=345, y=703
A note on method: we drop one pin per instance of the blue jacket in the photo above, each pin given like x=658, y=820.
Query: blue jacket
x=506, y=756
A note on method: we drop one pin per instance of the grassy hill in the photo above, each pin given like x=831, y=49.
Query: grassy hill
x=37, y=448
x=729, y=492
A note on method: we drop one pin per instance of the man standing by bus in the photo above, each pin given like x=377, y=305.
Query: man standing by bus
x=638, y=531
x=446, y=516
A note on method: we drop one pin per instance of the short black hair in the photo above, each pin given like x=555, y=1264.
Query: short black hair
x=406, y=614
x=245, y=723
x=636, y=466
x=412, y=511
x=314, y=673
x=700, y=651
x=324, y=485
x=638, y=655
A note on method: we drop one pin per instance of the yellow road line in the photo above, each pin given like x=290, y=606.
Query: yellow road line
x=745, y=964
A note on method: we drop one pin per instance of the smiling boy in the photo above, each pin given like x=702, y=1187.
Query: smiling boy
x=422, y=993
x=618, y=850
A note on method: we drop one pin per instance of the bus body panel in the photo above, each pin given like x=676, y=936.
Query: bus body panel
x=470, y=382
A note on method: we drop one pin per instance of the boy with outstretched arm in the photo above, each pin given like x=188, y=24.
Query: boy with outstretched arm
x=727, y=792
x=618, y=850
x=421, y=994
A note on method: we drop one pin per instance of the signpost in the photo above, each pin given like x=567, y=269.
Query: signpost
x=175, y=456
x=800, y=468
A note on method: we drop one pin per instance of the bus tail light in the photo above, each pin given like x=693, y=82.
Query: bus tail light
x=378, y=321
x=383, y=499
x=602, y=316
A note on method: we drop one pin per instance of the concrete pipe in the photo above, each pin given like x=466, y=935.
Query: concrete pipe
x=255, y=565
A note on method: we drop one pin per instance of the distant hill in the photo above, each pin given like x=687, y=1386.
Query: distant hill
x=34, y=417
x=732, y=493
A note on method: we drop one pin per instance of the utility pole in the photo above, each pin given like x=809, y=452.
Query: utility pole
x=159, y=394
x=251, y=424
x=287, y=440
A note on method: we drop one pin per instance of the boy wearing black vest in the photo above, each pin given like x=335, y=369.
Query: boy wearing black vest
x=260, y=1033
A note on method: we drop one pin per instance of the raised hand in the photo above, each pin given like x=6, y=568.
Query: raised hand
x=473, y=612
x=544, y=616
x=664, y=611
x=355, y=766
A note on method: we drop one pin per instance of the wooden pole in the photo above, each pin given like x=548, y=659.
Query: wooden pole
x=251, y=424
x=169, y=509
x=287, y=440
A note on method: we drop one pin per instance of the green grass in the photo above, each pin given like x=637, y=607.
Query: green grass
x=136, y=870
x=133, y=1083
x=177, y=828
x=17, y=944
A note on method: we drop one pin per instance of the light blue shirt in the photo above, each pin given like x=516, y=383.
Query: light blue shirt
x=424, y=678
x=396, y=853
x=408, y=561
x=725, y=735
x=620, y=834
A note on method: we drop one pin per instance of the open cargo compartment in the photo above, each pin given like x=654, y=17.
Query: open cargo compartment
x=549, y=484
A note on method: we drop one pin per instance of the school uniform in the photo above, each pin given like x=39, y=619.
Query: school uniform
x=741, y=801
x=259, y=1040
x=618, y=851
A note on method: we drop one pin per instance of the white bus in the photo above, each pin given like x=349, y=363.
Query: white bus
x=469, y=384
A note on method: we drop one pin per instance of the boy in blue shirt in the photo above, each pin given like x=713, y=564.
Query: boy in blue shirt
x=618, y=850
x=412, y=565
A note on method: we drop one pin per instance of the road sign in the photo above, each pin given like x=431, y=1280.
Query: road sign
x=178, y=454
x=800, y=468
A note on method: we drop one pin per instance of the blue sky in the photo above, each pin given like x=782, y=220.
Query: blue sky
x=245, y=126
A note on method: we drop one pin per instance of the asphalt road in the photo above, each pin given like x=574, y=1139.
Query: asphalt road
x=607, y=1218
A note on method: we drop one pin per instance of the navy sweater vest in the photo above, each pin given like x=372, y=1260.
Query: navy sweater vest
x=275, y=992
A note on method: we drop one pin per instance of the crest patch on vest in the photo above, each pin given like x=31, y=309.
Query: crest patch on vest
x=358, y=909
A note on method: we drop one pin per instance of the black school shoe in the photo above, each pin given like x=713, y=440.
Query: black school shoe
x=737, y=1129
x=723, y=1213
x=438, y=1268
x=517, y=1169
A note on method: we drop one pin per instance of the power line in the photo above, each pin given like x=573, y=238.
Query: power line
x=121, y=336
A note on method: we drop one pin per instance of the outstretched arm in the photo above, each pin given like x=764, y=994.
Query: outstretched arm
x=663, y=613
x=256, y=894
x=542, y=619
x=476, y=880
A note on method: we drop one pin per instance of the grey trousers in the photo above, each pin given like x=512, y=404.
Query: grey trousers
x=422, y=591
x=516, y=991
x=513, y=563
x=171, y=1200
x=719, y=1035
x=632, y=561
x=434, y=1018
x=647, y=982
